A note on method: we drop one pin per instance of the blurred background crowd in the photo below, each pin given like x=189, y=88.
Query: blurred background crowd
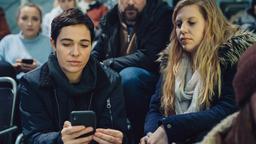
x=234, y=10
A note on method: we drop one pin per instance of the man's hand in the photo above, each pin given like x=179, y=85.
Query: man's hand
x=70, y=134
x=108, y=136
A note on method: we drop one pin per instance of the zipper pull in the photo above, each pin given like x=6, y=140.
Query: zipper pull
x=110, y=112
x=108, y=104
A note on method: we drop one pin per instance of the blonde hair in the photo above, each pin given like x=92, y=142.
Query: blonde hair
x=37, y=7
x=217, y=31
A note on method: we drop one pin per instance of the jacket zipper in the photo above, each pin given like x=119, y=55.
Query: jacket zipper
x=90, y=102
x=110, y=112
x=58, y=107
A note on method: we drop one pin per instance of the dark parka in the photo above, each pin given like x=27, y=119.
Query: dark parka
x=152, y=32
x=192, y=127
x=44, y=108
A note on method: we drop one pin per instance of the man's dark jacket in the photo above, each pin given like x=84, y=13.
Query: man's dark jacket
x=152, y=35
x=44, y=108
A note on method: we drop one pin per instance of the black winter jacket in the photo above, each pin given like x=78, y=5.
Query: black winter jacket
x=152, y=35
x=44, y=108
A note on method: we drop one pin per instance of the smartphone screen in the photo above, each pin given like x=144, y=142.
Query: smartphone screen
x=86, y=118
x=27, y=61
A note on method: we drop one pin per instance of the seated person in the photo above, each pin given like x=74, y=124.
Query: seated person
x=28, y=44
x=239, y=128
x=195, y=90
x=71, y=80
x=94, y=9
x=132, y=34
x=61, y=5
x=247, y=18
x=110, y=3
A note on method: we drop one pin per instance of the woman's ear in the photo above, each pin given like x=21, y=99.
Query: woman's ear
x=53, y=45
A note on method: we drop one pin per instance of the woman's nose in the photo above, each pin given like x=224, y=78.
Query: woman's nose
x=184, y=28
x=75, y=51
x=29, y=22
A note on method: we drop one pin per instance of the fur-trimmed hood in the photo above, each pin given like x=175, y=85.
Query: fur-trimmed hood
x=229, y=51
x=220, y=128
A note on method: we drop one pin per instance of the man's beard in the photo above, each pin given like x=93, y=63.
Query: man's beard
x=130, y=15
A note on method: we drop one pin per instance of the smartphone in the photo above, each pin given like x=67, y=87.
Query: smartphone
x=86, y=118
x=27, y=61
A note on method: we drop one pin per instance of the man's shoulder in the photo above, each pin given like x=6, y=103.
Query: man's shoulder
x=106, y=77
x=111, y=17
x=110, y=75
x=155, y=14
x=159, y=8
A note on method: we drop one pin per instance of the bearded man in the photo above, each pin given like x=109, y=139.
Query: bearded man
x=132, y=35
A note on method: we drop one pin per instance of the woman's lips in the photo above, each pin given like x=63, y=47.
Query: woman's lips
x=185, y=40
x=75, y=63
x=30, y=29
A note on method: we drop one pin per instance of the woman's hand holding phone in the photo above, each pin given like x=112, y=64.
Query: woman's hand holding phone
x=70, y=134
x=21, y=65
x=81, y=120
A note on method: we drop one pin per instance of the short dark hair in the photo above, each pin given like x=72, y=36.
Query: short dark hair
x=70, y=17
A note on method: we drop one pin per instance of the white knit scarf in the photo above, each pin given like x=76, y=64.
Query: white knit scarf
x=187, y=88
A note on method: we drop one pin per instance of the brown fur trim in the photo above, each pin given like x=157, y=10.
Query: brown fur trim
x=221, y=128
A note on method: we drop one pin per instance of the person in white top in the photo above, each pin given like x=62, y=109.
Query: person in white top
x=47, y=20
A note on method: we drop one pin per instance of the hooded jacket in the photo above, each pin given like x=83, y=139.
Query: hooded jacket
x=191, y=127
x=237, y=128
x=45, y=105
x=240, y=128
x=152, y=34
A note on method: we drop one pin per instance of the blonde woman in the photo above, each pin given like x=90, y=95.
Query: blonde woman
x=29, y=43
x=195, y=91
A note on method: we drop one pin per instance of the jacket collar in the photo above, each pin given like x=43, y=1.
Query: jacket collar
x=231, y=50
x=45, y=80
